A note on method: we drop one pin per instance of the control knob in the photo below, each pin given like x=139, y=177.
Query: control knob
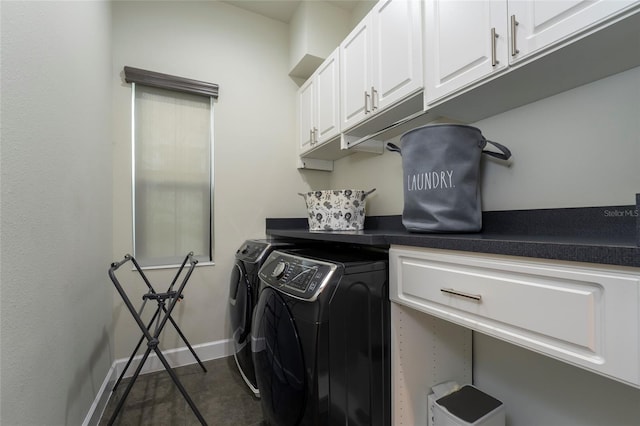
x=279, y=270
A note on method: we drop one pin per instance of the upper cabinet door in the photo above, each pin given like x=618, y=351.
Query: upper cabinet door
x=381, y=60
x=318, y=106
x=355, y=74
x=306, y=115
x=465, y=41
x=397, y=51
x=536, y=24
x=328, y=99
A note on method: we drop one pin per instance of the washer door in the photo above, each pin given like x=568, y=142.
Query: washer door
x=240, y=306
x=278, y=360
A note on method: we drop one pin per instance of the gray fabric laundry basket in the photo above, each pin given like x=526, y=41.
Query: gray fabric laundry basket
x=441, y=167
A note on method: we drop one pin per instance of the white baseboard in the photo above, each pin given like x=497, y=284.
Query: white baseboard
x=176, y=357
x=101, y=399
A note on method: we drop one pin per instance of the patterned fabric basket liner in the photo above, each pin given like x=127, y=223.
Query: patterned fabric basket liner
x=336, y=210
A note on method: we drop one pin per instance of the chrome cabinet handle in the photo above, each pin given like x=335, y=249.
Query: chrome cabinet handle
x=313, y=137
x=374, y=99
x=476, y=297
x=494, y=36
x=514, y=24
x=366, y=102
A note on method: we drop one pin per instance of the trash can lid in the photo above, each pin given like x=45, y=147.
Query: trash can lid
x=469, y=403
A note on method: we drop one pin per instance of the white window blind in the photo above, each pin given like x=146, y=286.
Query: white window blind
x=172, y=175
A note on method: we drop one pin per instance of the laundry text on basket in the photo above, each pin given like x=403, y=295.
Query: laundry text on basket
x=442, y=179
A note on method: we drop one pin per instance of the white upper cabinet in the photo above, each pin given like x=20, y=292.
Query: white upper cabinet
x=355, y=74
x=473, y=58
x=381, y=60
x=306, y=115
x=328, y=98
x=397, y=66
x=465, y=41
x=319, y=107
x=536, y=24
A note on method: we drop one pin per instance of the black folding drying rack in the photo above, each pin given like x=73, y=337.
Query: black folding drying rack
x=160, y=317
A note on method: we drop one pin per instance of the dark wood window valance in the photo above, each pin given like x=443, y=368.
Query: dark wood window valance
x=170, y=82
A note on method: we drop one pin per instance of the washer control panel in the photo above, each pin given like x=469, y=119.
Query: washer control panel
x=251, y=251
x=297, y=276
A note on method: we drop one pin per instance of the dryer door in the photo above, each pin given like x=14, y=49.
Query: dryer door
x=240, y=306
x=278, y=360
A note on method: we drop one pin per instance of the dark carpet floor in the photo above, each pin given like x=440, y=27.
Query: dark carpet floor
x=220, y=395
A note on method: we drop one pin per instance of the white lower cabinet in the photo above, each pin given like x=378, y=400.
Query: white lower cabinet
x=585, y=315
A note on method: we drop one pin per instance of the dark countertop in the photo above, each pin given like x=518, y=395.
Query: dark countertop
x=604, y=235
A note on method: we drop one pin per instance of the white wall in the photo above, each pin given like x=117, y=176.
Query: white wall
x=537, y=390
x=56, y=209
x=315, y=30
x=361, y=10
x=255, y=156
x=578, y=148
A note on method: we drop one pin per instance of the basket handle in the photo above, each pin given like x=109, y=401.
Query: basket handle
x=505, y=153
x=393, y=148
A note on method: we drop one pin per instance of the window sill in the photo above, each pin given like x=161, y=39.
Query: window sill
x=176, y=266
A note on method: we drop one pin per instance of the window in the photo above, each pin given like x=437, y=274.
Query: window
x=172, y=175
